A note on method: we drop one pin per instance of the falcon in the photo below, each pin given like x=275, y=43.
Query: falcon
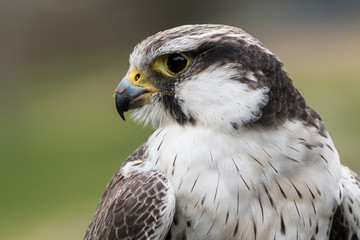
x=236, y=152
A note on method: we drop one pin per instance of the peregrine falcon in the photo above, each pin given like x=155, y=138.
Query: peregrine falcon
x=236, y=152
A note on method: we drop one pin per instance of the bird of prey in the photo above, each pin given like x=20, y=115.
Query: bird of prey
x=236, y=152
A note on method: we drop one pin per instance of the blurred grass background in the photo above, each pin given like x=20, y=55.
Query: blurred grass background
x=61, y=138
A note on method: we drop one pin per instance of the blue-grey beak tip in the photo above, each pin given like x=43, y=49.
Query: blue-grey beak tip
x=125, y=95
x=122, y=102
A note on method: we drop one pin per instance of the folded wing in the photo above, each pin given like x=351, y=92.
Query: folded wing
x=139, y=205
x=346, y=223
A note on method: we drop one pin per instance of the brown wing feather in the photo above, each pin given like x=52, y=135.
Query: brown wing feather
x=346, y=222
x=139, y=206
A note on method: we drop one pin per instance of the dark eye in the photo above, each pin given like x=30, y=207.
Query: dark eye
x=176, y=63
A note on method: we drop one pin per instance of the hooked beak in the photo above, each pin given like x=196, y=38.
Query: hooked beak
x=129, y=96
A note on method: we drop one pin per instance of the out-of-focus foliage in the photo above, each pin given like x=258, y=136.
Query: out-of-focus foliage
x=60, y=136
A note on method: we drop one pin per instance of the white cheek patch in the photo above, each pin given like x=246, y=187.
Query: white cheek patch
x=154, y=113
x=214, y=98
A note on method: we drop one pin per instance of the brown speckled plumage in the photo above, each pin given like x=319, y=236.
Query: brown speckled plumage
x=131, y=207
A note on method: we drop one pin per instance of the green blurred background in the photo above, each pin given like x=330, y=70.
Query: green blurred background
x=60, y=61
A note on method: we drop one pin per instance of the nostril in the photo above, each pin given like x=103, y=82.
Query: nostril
x=137, y=76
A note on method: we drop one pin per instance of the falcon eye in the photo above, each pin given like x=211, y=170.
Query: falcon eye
x=176, y=63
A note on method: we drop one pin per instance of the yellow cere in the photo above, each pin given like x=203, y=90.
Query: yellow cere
x=135, y=76
x=138, y=79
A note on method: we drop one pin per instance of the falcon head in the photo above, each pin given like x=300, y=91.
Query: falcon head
x=212, y=75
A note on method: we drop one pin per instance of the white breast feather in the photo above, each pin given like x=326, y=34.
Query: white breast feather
x=216, y=179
